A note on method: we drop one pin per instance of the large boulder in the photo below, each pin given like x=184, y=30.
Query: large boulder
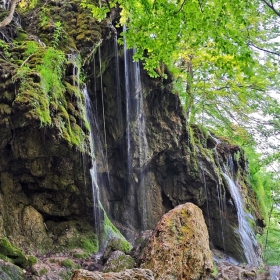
x=179, y=246
x=133, y=274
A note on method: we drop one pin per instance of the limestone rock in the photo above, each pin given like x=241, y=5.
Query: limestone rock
x=119, y=261
x=133, y=274
x=9, y=271
x=179, y=246
x=33, y=225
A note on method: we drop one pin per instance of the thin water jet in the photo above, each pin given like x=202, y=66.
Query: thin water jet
x=136, y=140
x=93, y=171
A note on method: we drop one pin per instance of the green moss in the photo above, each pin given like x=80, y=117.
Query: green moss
x=9, y=271
x=112, y=231
x=14, y=254
x=88, y=243
x=32, y=260
x=67, y=263
x=43, y=271
x=120, y=263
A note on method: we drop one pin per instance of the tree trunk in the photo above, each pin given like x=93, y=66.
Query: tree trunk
x=10, y=16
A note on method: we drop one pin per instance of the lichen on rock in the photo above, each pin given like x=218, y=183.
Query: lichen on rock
x=179, y=246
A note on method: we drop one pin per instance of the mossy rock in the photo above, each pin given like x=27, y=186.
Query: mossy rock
x=119, y=261
x=116, y=244
x=69, y=235
x=10, y=271
x=13, y=254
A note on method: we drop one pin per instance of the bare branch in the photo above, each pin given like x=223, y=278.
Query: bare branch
x=181, y=7
x=271, y=6
x=264, y=50
x=9, y=18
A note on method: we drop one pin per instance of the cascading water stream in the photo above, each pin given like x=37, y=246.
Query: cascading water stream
x=5, y=4
x=206, y=197
x=102, y=99
x=103, y=226
x=220, y=194
x=221, y=200
x=97, y=211
x=136, y=127
x=73, y=58
x=118, y=83
x=246, y=233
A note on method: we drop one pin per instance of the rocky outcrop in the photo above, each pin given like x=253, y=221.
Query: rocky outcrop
x=45, y=197
x=9, y=271
x=179, y=246
x=183, y=163
x=129, y=274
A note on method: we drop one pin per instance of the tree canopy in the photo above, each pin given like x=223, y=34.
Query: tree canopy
x=224, y=58
x=223, y=55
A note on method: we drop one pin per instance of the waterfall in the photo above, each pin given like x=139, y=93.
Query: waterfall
x=118, y=83
x=136, y=128
x=247, y=236
x=73, y=59
x=97, y=211
x=5, y=4
x=220, y=193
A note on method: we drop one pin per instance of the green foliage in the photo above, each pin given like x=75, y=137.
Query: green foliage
x=67, y=263
x=99, y=12
x=31, y=47
x=27, y=4
x=157, y=29
x=57, y=34
x=44, y=16
x=4, y=47
x=41, y=77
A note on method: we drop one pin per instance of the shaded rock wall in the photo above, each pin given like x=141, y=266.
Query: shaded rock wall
x=45, y=185
x=44, y=182
x=183, y=165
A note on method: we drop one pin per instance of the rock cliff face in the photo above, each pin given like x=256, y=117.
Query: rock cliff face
x=181, y=164
x=44, y=179
x=45, y=198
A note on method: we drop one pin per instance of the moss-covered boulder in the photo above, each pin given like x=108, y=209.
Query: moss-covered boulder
x=116, y=244
x=118, y=261
x=13, y=254
x=179, y=246
x=9, y=271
